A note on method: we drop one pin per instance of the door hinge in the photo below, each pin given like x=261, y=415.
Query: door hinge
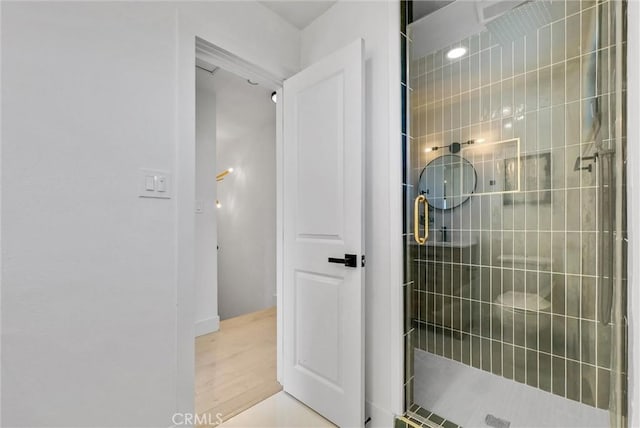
x=364, y=261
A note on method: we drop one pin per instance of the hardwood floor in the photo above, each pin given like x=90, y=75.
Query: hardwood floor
x=236, y=366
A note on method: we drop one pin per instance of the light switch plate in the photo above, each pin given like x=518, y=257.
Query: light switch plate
x=162, y=184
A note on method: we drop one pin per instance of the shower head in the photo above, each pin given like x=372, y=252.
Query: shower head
x=525, y=18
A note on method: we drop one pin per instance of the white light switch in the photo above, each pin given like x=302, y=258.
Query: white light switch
x=154, y=184
x=161, y=182
x=150, y=183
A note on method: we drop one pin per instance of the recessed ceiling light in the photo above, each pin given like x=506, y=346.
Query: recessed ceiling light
x=456, y=52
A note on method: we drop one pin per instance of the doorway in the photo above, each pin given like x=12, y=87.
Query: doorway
x=324, y=130
x=235, y=225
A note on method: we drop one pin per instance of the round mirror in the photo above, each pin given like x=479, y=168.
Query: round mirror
x=447, y=181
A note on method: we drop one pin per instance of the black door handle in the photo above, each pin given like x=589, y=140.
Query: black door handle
x=350, y=260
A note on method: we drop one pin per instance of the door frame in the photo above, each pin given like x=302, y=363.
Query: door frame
x=196, y=39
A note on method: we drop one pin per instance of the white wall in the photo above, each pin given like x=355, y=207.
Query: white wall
x=378, y=24
x=247, y=217
x=97, y=284
x=206, y=236
x=246, y=226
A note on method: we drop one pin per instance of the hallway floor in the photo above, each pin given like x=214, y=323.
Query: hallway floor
x=278, y=411
x=236, y=366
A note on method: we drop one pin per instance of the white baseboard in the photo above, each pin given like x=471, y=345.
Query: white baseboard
x=380, y=418
x=207, y=326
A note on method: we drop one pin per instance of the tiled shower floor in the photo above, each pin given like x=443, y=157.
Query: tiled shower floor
x=466, y=395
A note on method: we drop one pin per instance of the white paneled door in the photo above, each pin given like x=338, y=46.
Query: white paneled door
x=323, y=236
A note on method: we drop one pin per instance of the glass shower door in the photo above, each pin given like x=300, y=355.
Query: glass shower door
x=515, y=303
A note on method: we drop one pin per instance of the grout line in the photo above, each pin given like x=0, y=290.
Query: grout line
x=512, y=77
x=537, y=285
x=524, y=348
x=441, y=262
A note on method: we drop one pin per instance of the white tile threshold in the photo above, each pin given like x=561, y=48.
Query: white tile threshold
x=278, y=411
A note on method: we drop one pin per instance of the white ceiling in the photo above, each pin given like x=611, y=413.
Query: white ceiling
x=422, y=8
x=299, y=13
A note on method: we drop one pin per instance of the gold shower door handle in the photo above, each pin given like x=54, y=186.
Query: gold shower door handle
x=416, y=219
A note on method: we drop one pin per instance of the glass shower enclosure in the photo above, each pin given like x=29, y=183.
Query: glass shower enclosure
x=515, y=257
